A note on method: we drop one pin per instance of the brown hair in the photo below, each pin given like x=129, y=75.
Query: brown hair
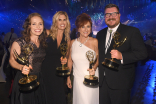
x=111, y=5
x=81, y=20
x=26, y=32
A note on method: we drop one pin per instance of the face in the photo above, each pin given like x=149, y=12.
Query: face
x=85, y=30
x=12, y=30
x=113, y=20
x=62, y=22
x=36, y=27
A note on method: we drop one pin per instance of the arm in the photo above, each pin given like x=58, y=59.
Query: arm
x=12, y=60
x=97, y=54
x=137, y=50
x=70, y=64
x=68, y=51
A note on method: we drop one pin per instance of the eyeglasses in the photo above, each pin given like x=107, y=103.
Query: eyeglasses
x=111, y=14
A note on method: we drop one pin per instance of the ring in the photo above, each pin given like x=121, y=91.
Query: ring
x=26, y=69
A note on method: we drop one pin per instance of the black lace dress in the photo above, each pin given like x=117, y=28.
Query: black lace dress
x=35, y=60
x=55, y=91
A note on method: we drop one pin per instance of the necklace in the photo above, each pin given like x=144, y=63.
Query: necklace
x=83, y=42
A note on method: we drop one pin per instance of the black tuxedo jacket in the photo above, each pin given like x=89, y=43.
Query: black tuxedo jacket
x=132, y=50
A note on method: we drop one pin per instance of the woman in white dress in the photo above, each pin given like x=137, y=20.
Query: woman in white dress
x=83, y=94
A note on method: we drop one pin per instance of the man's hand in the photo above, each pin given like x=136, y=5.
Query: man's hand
x=116, y=54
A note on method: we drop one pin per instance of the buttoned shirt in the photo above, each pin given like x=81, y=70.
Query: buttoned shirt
x=108, y=35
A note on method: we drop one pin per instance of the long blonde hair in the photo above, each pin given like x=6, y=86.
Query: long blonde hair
x=54, y=27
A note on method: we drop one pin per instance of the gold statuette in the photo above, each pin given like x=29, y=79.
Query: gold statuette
x=90, y=80
x=28, y=82
x=64, y=70
x=111, y=63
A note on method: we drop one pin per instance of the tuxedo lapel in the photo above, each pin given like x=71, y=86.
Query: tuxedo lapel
x=120, y=31
x=119, y=28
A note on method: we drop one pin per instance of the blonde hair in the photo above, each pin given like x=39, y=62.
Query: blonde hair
x=54, y=27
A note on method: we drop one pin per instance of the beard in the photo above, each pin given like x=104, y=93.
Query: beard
x=111, y=26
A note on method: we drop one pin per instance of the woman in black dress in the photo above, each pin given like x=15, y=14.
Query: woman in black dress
x=34, y=35
x=59, y=33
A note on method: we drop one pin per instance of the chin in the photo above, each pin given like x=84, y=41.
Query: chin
x=111, y=26
x=38, y=34
x=62, y=28
x=86, y=36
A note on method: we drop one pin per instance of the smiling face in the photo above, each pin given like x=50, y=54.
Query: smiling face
x=36, y=27
x=112, y=21
x=85, y=30
x=62, y=22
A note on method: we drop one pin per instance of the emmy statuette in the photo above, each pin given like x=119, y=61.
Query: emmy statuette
x=64, y=70
x=111, y=63
x=90, y=80
x=28, y=82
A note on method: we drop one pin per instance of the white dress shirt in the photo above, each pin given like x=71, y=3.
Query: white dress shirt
x=107, y=39
x=108, y=35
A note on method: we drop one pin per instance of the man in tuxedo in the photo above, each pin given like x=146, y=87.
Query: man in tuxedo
x=115, y=85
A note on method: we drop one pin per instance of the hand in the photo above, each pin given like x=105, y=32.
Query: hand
x=116, y=54
x=91, y=71
x=69, y=83
x=63, y=60
x=26, y=70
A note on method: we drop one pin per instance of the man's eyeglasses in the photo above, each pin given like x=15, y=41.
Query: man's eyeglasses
x=114, y=14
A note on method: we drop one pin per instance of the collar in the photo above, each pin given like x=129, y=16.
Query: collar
x=114, y=29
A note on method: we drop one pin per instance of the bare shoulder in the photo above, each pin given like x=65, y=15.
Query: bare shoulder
x=94, y=40
x=15, y=44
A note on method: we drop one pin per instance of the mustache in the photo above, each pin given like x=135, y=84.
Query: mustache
x=111, y=19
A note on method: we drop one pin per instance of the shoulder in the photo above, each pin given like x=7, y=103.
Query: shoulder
x=7, y=34
x=93, y=41
x=129, y=28
x=20, y=41
x=15, y=45
x=14, y=34
x=101, y=32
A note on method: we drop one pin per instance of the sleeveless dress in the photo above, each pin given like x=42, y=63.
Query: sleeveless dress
x=82, y=94
x=55, y=90
x=36, y=96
